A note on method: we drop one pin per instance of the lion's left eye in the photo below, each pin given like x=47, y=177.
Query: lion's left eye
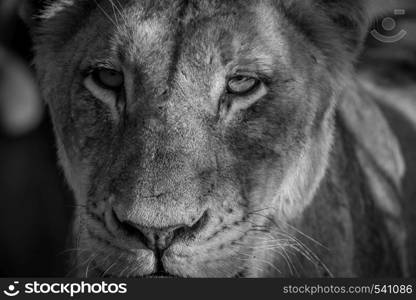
x=105, y=84
x=240, y=85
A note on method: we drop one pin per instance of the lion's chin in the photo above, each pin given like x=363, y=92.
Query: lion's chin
x=150, y=269
x=157, y=275
x=112, y=258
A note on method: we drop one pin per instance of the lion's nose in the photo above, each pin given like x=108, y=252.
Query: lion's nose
x=157, y=239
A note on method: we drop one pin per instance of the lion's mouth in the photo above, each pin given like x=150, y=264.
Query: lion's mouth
x=161, y=272
x=147, y=263
x=160, y=275
x=156, y=275
x=166, y=275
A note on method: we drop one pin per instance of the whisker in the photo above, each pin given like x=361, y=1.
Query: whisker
x=119, y=8
x=105, y=13
x=88, y=267
x=75, y=250
x=124, y=270
x=79, y=265
x=250, y=258
x=112, y=265
x=273, y=242
x=114, y=13
x=307, y=236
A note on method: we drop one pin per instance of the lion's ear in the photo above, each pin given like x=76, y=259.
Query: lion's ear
x=350, y=20
x=334, y=26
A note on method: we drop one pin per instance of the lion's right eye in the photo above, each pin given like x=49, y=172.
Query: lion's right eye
x=240, y=85
x=108, y=79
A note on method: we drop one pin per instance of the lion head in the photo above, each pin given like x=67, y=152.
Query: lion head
x=192, y=131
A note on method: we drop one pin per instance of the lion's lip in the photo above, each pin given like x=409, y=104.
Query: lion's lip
x=157, y=275
x=162, y=274
x=171, y=264
x=159, y=271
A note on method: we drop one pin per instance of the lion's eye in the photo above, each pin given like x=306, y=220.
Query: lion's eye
x=241, y=85
x=108, y=78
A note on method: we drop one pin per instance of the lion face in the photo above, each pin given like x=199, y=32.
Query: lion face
x=189, y=132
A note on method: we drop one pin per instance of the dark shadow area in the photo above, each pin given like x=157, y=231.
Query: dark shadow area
x=35, y=204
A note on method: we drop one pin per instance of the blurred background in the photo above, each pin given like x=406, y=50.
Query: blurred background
x=35, y=203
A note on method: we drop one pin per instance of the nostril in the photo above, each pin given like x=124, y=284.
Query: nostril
x=201, y=222
x=173, y=233
x=132, y=229
x=184, y=230
x=115, y=216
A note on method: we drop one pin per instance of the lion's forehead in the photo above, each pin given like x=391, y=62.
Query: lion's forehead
x=195, y=30
x=154, y=25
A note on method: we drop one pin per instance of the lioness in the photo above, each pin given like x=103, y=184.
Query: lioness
x=222, y=138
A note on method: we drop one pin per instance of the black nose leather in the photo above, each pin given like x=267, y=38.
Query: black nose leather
x=157, y=239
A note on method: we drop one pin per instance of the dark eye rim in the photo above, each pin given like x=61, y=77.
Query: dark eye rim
x=95, y=75
x=252, y=89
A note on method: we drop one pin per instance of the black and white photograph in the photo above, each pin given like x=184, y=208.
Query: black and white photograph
x=150, y=139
